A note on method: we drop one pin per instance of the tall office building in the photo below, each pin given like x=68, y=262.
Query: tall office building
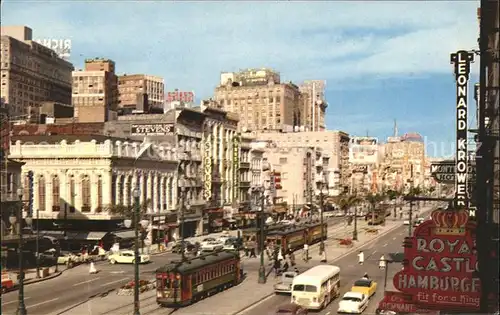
x=314, y=105
x=30, y=74
x=260, y=99
x=140, y=91
x=95, y=91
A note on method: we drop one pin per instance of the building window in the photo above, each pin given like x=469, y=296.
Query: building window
x=113, y=191
x=41, y=193
x=128, y=189
x=55, y=193
x=85, y=194
x=99, y=193
x=72, y=193
x=283, y=160
x=120, y=190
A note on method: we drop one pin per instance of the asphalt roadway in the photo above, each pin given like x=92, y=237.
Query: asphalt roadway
x=351, y=271
x=77, y=285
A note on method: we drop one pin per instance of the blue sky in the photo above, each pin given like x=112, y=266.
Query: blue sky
x=381, y=60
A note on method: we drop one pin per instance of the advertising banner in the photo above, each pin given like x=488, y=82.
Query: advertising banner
x=236, y=167
x=151, y=129
x=363, y=150
x=441, y=263
x=462, y=60
x=207, y=168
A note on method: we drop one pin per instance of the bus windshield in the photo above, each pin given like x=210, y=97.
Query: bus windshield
x=305, y=288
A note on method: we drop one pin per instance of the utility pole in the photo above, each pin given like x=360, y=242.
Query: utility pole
x=262, y=269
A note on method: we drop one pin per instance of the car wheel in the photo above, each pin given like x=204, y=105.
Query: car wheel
x=112, y=261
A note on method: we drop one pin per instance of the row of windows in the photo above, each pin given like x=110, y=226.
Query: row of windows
x=212, y=273
x=56, y=194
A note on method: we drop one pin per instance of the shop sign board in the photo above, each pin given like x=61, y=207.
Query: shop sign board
x=399, y=302
x=207, y=168
x=442, y=263
x=461, y=60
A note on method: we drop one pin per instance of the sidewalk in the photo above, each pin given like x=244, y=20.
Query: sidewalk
x=30, y=276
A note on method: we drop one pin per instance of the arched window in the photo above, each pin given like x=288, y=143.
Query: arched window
x=121, y=182
x=128, y=189
x=163, y=194
x=99, y=193
x=113, y=191
x=41, y=193
x=55, y=193
x=72, y=193
x=85, y=193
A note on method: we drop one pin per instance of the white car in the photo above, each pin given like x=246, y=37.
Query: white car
x=406, y=222
x=127, y=257
x=212, y=246
x=353, y=303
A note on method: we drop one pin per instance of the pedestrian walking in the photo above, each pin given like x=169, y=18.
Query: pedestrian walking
x=382, y=263
x=92, y=269
x=306, y=253
x=276, y=267
x=361, y=257
x=292, y=259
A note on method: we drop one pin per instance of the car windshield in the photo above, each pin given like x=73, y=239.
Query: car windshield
x=289, y=275
x=351, y=298
x=305, y=288
x=363, y=283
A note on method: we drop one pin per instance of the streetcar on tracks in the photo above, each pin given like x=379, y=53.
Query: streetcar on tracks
x=182, y=283
x=296, y=236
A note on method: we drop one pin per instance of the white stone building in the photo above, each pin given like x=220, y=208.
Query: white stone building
x=83, y=177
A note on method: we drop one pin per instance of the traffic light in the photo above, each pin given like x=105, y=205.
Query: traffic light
x=30, y=191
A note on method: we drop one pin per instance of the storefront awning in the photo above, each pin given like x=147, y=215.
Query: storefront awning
x=125, y=235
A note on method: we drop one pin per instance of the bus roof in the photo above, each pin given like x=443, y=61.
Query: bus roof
x=317, y=274
x=198, y=262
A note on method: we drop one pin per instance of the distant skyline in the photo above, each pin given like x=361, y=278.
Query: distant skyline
x=381, y=60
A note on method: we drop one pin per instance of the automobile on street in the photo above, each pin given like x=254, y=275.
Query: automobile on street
x=353, y=303
x=127, y=257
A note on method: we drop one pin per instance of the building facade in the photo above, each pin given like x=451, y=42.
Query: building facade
x=95, y=91
x=365, y=159
x=334, y=144
x=312, y=115
x=81, y=181
x=140, y=92
x=302, y=173
x=260, y=99
x=31, y=73
x=404, y=162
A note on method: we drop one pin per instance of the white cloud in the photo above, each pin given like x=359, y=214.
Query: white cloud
x=191, y=43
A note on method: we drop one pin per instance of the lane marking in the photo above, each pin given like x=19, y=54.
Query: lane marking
x=108, y=283
x=88, y=281
x=44, y=302
x=327, y=313
x=117, y=272
x=384, y=245
x=394, y=238
x=15, y=301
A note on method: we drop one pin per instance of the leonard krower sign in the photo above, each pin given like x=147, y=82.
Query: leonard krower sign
x=151, y=129
x=462, y=60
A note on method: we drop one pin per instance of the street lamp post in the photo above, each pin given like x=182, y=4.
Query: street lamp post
x=355, y=230
x=322, y=249
x=181, y=223
x=18, y=218
x=38, y=246
x=137, y=209
x=410, y=218
x=262, y=269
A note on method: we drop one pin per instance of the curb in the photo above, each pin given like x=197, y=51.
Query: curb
x=28, y=282
x=336, y=259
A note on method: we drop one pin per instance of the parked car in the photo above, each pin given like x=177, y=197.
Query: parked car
x=285, y=284
x=177, y=248
x=353, y=303
x=127, y=257
x=291, y=309
x=75, y=258
x=364, y=286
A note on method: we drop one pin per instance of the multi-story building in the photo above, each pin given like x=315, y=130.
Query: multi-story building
x=302, y=171
x=251, y=173
x=85, y=182
x=260, y=99
x=404, y=161
x=312, y=116
x=140, y=92
x=95, y=91
x=30, y=74
x=334, y=143
x=364, y=159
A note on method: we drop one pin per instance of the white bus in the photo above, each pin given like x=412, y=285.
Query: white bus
x=317, y=287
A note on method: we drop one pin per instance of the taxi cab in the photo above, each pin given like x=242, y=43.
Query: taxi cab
x=365, y=286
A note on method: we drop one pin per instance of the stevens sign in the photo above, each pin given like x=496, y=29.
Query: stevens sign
x=441, y=263
x=151, y=129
